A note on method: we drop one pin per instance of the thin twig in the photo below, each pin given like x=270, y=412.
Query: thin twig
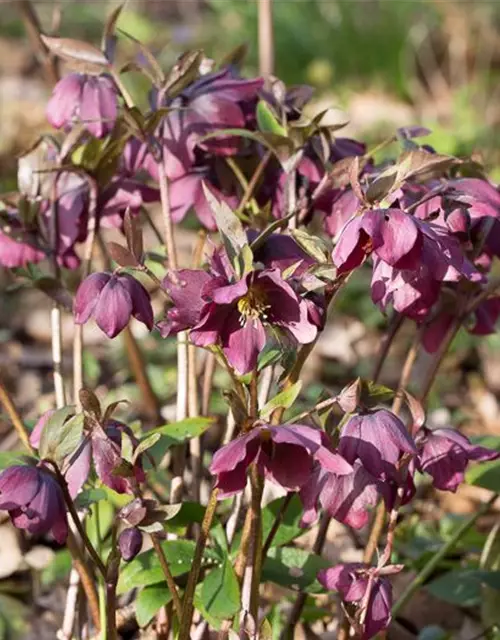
x=194, y=573
x=168, y=576
x=86, y=579
x=266, y=40
x=78, y=344
x=34, y=31
x=15, y=418
x=394, y=327
x=208, y=379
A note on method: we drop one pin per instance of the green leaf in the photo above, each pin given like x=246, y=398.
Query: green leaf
x=232, y=234
x=463, y=587
x=289, y=527
x=90, y=496
x=15, y=617
x=284, y=399
x=267, y=121
x=103, y=513
x=145, y=444
x=312, y=245
x=374, y=394
x=145, y=569
x=149, y=601
x=485, y=475
x=61, y=435
x=220, y=593
x=179, y=432
x=12, y=458
x=294, y=568
x=281, y=147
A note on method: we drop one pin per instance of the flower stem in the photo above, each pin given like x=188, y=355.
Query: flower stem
x=428, y=569
x=257, y=482
x=15, y=418
x=194, y=574
x=78, y=523
x=86, y=579
x=168, y=575
x=277, y=523
x=393, y=329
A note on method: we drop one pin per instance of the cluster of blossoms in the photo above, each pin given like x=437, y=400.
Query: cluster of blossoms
x=429, y=231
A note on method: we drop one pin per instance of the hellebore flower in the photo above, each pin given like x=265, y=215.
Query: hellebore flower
x=237, y=315
x=187, y=192
x=377, y=439
x=34, y=501
x=107, y=456
x=444, y=454
x=111, y=299
x=18, y=246
x=186, y=290
x=130, y=543
x=389, y=233
x=346, y=497
x=80, y=97
x=374, y=594
x=284, y=454
x=78, y=472
x=214, y=101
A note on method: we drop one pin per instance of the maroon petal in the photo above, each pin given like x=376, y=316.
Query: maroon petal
x=114, y=308
x=65, y=99
x=141, y=301
x=18, y=486
x=242, y=345
x=87, y=296
x=378, y=616
x=280, y=470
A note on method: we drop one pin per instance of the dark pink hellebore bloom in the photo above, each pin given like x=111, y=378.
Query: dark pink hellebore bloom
x=213, y=102
x=389, y=233
x=352, y=582
x=444, y=454
x=34, y=501
x=347, y=497
x=284, y=454
x=236, y=317
x=378, y=439
x=111, y=299
x=87, y=99
x=18, y=248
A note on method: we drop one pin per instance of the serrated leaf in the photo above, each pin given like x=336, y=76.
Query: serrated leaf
x=56, y=431
x=146, y=570
x=284, y=399
x=374, y=394
x=149, y=602
x=312, y=245
x=184, y=71
x=232, y=233
x=267, y=121
x=220, y=593
x=145, y=444
x=88, y=497
x=178, y=432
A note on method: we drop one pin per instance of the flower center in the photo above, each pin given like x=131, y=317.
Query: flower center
x=253, y=305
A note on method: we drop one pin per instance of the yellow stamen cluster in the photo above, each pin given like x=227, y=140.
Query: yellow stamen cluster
x=253, y=305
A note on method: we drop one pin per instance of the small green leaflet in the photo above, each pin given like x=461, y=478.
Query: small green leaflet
x=284, y=399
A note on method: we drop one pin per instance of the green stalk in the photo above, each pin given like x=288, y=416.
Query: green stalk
x=428, y=569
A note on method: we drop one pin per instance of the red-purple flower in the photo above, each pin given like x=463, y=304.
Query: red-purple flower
x=445, y=453
x=237, y=315
x=18, y=245
x=213, y=102
x=347, y=497
x=87, y=99
x=389, y=233
x=371, y=593
x=34, y=500
x=378, y=439
x=284, y=454
x=112, y=299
